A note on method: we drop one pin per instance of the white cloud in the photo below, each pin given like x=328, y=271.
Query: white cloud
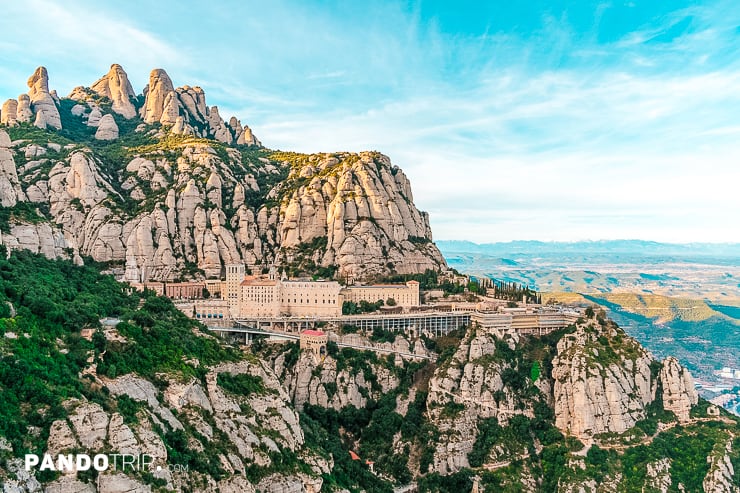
x=71, y=38
x=551, y=136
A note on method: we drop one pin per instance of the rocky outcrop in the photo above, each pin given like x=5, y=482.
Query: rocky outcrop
x=10, y=187
x=230, y=427
x=658, y=476
x=470, y=388
x=8, y=112
x=24, y=113
x=116, y=87
x=159, y=88
x=93, y=119
x=107, y=129
x=600, y=388
x=363, y=205
x=679, y=393
x=201, y=204
x=38, y=238
x=42, y=103
x=721, y=475
x=322, y=384
x=604, y=382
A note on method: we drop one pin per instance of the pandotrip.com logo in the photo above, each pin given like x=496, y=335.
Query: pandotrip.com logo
x=99, y=462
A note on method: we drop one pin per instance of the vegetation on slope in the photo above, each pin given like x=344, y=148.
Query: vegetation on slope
x=44, y=304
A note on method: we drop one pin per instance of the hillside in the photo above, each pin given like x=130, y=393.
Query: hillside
x=583, y=409
x=158, y=186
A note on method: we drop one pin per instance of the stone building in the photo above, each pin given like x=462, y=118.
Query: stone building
x=184, y=290
x=314, y=341
x=311, y=298
x=211, y=310
x=231, y=288
x=405, y=295
x=259, y=297
x=270, y=297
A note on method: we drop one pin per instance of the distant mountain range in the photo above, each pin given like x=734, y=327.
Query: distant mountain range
x=599, y=246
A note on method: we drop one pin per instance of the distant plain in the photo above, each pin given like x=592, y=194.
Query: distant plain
x=681, y=300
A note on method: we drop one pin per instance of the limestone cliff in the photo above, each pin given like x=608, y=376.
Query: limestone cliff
x=604, y=382
x=492, y=401
x=481, y=381
x=600, y=386
x=172, y=190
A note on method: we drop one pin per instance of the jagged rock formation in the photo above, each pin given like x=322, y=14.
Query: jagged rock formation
x=602, y=388
x=8, y=112
x=721, y=475
x=601, y=384
x=10, y=189
x=324, y=383
x=476, y=385
x=158, y=91
x=42, y=103
x=185, y=203
x=107, y=129
x=211, y=411
x=598, y=389
x=679, y=393
x=115, y=86
x=659, y=475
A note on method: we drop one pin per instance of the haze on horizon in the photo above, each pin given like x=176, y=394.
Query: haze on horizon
x=545, y=121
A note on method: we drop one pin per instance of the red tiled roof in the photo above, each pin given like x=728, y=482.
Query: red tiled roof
x=354, y=456
x=310, y=332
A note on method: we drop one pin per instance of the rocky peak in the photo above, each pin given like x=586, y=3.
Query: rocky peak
x=115, y=86
x=42, y=102
x=8, y=112
x=218, y=127
x=159, y=88
x=679, y=393
x=194, y=101
x=600, y=385
x=185, y=110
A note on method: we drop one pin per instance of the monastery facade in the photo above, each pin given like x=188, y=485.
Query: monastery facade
x=269, y=297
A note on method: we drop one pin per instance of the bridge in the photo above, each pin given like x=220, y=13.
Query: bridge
x=434, y=323
x=234, y=334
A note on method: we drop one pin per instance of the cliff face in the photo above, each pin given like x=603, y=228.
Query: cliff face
x=245, y=430
x=501, y=402
x=604, y=383
x=162, y=187
x=600, y=387
x=481, y=381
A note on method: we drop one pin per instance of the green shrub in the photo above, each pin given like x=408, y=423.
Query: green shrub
x=241, y=384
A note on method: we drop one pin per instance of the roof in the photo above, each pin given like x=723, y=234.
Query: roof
x=377, y=286
x=354, y=456
x=256, y=281
x=310, y=332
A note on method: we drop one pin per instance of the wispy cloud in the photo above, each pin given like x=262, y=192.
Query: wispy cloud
x=575, y=122
x=89, y=37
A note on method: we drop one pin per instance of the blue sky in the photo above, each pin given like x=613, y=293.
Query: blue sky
x=549, y=120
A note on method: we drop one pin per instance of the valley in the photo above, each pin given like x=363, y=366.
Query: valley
x=681, y=300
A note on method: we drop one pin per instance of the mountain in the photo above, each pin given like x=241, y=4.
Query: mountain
x=640, y=247
x=582, y=409
x=159, y=186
